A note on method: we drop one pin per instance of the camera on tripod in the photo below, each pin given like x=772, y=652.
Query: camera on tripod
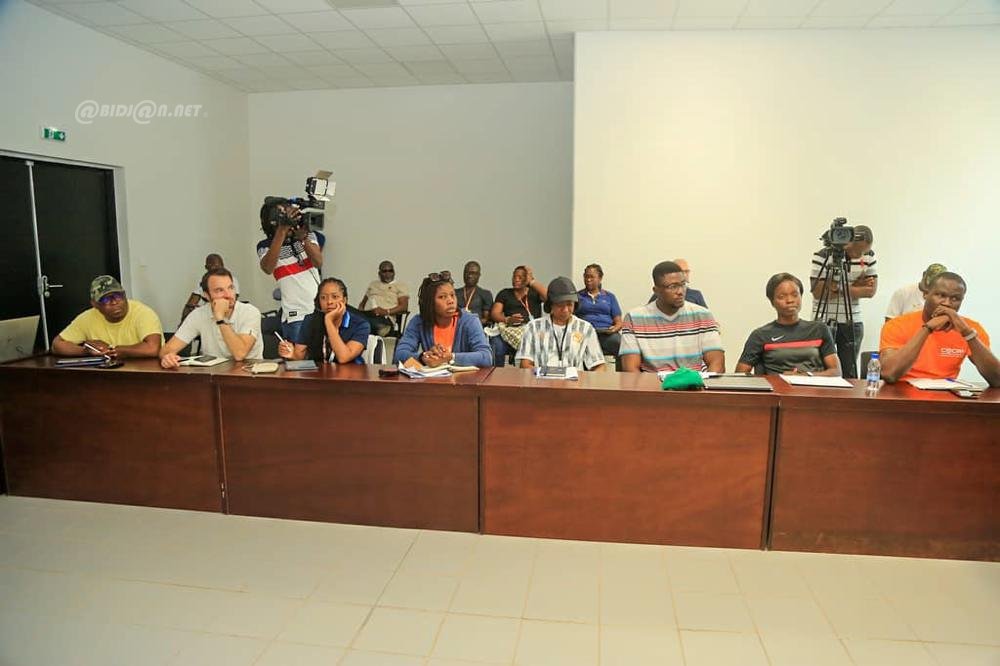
x=838, y=235
x=300, y=211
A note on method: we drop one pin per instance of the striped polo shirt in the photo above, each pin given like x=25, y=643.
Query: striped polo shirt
x=669, y=343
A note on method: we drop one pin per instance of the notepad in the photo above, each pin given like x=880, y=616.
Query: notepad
x=940, y=384
x=203, y=361
x=416, y=370
x=826, y=382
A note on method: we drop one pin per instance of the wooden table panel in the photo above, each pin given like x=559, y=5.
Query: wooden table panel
x=131, y=435
x=589, y=460
x=911, y=473
x=342, y=445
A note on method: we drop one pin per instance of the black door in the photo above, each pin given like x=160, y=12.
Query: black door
x=77, y=235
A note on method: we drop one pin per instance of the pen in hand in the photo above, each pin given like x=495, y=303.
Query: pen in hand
x=94, y=349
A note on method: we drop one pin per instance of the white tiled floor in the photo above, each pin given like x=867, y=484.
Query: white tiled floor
x=84, y=584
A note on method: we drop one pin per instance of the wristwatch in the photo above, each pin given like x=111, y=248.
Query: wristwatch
x=220, y=322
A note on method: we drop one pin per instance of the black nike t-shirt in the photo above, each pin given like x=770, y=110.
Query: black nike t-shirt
x=776, y=348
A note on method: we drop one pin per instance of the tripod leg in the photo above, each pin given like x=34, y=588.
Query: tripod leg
x=848, y=339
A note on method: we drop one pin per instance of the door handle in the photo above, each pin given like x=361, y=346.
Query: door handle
x=45, y=286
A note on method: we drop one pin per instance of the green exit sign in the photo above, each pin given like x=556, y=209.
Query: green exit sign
x=53, y=134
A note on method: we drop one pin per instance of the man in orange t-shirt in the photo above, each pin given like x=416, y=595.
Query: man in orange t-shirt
x=933, y=342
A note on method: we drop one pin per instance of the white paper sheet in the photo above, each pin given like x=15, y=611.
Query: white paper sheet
x=806, y=380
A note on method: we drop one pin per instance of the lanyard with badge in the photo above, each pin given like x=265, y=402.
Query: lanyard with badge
x=562, y=342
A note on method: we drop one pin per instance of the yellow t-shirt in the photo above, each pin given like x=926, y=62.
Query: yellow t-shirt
x=139, y=322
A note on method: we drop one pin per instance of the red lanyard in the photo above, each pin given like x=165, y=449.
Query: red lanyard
x=527, y=310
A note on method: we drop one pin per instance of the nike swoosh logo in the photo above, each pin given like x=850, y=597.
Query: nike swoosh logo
x=777, y=338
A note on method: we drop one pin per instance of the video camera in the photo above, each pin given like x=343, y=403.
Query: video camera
x=838, y=235
x=299, y=211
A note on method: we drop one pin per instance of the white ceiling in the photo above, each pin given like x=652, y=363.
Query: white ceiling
x=280, y=45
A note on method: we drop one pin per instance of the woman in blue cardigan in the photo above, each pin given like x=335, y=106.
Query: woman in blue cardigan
x=442, y=334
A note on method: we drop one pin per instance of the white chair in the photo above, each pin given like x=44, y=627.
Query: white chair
x=374, y=353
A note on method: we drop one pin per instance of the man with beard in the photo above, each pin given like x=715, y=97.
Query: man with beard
x=227, y=328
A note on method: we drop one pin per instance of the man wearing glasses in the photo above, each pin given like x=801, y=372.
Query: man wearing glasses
x=692, y=295
x=114, y=326
x=671, y=333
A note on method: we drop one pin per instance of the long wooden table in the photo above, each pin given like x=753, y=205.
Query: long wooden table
x=342, y=445
x=611, y=457
x=906, y=472
x=132, y=435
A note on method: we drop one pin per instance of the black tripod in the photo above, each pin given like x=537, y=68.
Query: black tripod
x=834, y=274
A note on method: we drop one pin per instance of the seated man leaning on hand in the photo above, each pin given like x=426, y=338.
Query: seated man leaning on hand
x=228, y=328
x=670, y=333
x=933, y=342
x=115, y=326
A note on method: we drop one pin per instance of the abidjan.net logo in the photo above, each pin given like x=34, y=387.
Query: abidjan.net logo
x=142, y=112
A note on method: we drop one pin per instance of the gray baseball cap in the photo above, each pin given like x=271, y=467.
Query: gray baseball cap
x=562, y=290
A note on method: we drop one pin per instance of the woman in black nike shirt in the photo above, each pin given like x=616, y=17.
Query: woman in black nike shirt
x=789, y=345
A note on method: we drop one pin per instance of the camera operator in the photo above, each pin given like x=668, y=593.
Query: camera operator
x=293, y=254
x=862, y=281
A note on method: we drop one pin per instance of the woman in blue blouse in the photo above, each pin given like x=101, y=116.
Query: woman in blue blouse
x=601, y=309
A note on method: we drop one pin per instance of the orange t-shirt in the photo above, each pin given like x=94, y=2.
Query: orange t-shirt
x=943, y=352
x=446, y=336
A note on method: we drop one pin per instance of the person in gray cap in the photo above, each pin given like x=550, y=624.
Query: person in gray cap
x=558, y=338
x=114, y=326
x=911, y=297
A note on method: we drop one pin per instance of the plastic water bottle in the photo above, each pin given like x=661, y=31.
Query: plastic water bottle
x=874, y=374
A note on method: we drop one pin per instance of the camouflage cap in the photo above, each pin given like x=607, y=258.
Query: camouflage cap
x=103, y=285
x=932, y=272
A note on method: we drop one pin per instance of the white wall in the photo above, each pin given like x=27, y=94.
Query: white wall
x=185, y=178
x=736, y=149
x=428, y=177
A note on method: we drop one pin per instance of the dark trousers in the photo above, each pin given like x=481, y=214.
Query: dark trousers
x=610, y=344
x=380, y=326
x=846, y=351
x=501, y=350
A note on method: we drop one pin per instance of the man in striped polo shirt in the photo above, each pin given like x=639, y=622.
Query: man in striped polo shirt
x=670, y=333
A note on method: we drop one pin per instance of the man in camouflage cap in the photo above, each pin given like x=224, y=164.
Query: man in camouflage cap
x=114, y=326
x=911, y=297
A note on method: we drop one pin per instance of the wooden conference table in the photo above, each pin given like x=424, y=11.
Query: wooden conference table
x=611, y=457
